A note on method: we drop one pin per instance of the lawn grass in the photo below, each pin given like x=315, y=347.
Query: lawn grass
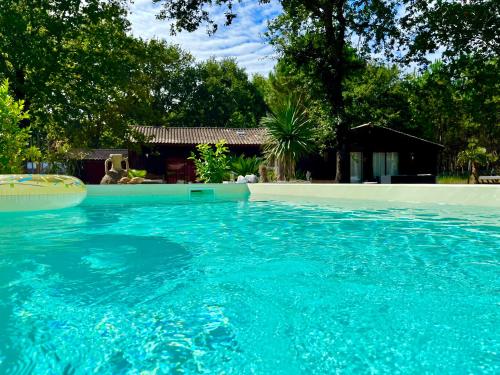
x=453, y=179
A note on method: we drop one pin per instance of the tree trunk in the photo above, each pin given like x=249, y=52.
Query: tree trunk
x=475, y=173
x=333, y=79
x=279, y=170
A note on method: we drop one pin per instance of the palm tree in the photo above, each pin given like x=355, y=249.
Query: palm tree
x=289, y=136
x=242, y=165
x=474, y=156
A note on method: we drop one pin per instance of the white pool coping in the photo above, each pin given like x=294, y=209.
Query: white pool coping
x=449, y=194
x=175, y=191
x=444, y=194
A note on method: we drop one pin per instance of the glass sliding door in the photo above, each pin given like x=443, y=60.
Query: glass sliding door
x=391, y=163
x=385, y=164
x=356, y=167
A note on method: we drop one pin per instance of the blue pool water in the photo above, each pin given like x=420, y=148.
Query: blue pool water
x=249, y=288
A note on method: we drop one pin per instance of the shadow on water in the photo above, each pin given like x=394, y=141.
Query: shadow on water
x=108, y=290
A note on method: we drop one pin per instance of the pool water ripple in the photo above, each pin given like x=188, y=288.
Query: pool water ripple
x=249, y=287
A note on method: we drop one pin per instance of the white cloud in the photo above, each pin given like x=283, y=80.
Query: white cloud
x=244, y=40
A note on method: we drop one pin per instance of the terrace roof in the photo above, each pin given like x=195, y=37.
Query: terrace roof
x=98, y=154
x=194, y=136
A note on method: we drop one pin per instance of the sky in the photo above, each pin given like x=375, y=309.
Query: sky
x=244, y=40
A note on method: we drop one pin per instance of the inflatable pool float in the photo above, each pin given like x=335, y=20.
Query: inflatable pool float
x=32, y=192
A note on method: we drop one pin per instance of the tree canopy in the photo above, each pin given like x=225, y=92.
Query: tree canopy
x=85, y=79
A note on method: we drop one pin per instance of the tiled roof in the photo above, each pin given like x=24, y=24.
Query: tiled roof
x=194, y=136
x=101, y=153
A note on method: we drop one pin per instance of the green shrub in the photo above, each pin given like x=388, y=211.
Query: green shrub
x=137, y=173
x=242, y=166
x=212, y=165
x=13, y=139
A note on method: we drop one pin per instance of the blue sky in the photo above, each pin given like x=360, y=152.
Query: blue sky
x=244, y=40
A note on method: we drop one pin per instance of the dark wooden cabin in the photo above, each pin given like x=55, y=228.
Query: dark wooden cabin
x=379, y=154
x=165, y=154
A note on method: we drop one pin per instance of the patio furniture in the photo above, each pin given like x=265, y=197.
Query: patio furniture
x=489, y=179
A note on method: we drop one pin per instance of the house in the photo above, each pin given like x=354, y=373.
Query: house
x=165, y=155
x=379, y=154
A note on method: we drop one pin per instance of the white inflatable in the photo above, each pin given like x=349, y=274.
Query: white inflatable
x=32, y=192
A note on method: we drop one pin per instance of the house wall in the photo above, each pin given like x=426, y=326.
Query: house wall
x=170, y=162
x=91, y=171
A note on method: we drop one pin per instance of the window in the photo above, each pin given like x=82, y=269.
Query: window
x=385, y=164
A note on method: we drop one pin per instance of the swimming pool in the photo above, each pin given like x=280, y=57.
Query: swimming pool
x=249, y=287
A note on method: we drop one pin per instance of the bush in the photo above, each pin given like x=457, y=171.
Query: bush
x=13, y=139
x=137, y=173
x=212, y=165
x=242, y=166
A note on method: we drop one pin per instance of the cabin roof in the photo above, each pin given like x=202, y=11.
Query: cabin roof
x=194, y=136
x=389, y=130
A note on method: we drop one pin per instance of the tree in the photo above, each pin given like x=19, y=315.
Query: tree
x=459, y=29
x=475, y=156
x=289, y=137
x=71, y=62
x=242, y=165
x=164, y=78
x=286, y=83
x=451, y=109
x=13, y=139
x=376, y=93
x=220, y=95
x=313, y=34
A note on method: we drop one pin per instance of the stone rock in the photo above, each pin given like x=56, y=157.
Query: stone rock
x=251, y=178
x=136, y=180
x=113, y=176
x=124, y=180
x=241, y=180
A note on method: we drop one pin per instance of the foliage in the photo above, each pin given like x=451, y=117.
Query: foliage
x=289, y=137
x=69, y=61
x=13, y=138
x=212, y=165
x=164, y=77
x=242, y=165
x=450, y=109
x=85, y=79
x=286, y=83
x=457, y=28
x=60, y=158
x=452, y=179
x=376, y=93
x=137, y=173
x=220, y=96
x=476, y=156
